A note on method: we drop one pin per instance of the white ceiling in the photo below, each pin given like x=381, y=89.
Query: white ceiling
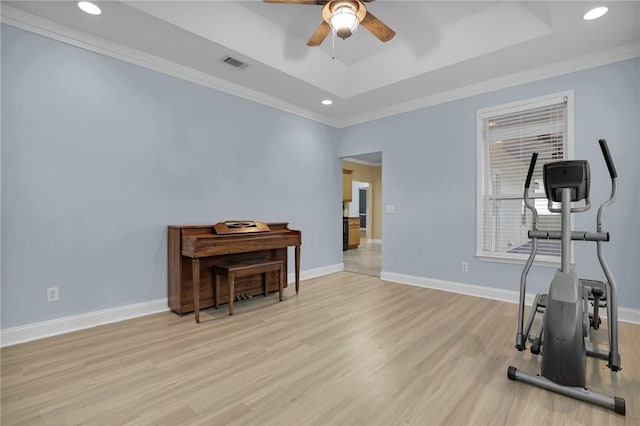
x=369, y=159
x=442, y=50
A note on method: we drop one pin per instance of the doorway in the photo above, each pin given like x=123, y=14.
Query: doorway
x=363, y=210
x=360, y=207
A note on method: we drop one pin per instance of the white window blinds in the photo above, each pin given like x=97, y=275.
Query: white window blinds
x=507, y=138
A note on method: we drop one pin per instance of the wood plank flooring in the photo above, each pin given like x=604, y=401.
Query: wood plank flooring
x=348, y=350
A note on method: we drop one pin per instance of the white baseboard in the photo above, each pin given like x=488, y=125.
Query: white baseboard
x=316, y=272
x=624, y=314
x=40, y=330
x=454, y=287
x=628, y=315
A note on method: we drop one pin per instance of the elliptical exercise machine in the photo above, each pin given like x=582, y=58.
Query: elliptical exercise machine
x=563, y=338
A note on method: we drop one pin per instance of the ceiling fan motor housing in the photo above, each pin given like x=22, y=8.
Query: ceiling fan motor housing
x=343, y=17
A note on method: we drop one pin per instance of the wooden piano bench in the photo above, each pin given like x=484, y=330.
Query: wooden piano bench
x=245, y=268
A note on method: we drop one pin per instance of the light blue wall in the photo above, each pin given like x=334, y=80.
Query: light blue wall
x=429, y=173
x=99, y=156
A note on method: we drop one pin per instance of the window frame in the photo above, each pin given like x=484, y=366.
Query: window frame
x=509, y=108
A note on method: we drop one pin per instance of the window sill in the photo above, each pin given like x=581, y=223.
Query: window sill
x=520, y=261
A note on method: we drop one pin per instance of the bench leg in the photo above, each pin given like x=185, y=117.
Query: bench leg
x=280, y=282
x=232, y=292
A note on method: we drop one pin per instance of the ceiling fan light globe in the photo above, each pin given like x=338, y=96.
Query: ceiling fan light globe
x=344, y=21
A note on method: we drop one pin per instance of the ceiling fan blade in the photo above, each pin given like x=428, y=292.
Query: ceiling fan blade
x=319, y=2
x=377, y=27
x=321, y=33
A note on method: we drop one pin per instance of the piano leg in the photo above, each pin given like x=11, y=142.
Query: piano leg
x=195, y=269
x=280, y=280
x=217, y=289
x=297, y=269
x=265, y=286
x=232, y=290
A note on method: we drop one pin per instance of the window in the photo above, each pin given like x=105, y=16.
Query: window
x=507, y=136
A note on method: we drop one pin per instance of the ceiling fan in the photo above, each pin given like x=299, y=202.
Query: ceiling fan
x=343, y=17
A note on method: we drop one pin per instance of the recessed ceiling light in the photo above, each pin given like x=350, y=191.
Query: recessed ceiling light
x=327, y=102
x=89, y=8
x=595, y=13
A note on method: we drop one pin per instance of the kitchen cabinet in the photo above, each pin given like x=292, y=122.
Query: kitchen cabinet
x=347, y=180
x=354, y=232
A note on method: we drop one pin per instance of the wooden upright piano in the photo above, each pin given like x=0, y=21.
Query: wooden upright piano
x=194, y=249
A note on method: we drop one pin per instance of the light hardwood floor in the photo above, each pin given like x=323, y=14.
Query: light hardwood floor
x=349, y=349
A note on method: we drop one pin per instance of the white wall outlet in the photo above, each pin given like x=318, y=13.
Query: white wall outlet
x=53, y=294
x=465, y=267
x=390, y=208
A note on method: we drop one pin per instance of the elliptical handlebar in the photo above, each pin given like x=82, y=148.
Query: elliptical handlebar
x=527, y=183
x=532, y=165
x=614, y=185
x=607, y=158
x=612, y=292
x=520, y=337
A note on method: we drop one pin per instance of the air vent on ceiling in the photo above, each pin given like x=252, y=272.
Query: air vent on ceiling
x=234, y=62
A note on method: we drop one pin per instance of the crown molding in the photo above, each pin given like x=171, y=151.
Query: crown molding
x=604, y=57
x=59, y=32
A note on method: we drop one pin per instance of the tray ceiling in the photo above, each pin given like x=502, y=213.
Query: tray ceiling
x=442, y=50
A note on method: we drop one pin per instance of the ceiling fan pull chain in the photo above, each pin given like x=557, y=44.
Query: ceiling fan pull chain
x=333, y=45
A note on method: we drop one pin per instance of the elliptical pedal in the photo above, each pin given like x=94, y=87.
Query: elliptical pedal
x=535, y=346
x=597, y=294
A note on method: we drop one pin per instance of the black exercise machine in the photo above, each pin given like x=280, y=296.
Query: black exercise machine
x=563, y=338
